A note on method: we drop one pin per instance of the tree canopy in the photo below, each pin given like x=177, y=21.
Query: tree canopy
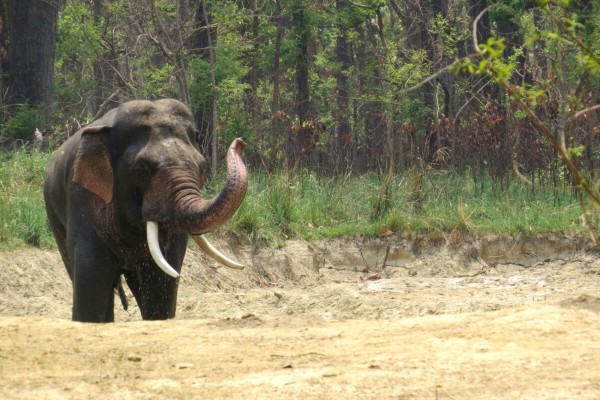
x=337, y=86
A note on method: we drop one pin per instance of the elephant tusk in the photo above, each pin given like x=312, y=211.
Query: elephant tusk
x=159, y=259
x=210, y=250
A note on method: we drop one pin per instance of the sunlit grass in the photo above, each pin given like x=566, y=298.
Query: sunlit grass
x=287, y=205
x=22, y=214
x=315, y=207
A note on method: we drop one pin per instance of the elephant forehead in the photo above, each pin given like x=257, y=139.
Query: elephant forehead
x=170, y=143
x=174, y=107
x=153, y=131
x=169, y=150
x=148, y=113
x=159, y=121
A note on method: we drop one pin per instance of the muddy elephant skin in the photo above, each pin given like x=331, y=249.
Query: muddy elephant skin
x=123, y=194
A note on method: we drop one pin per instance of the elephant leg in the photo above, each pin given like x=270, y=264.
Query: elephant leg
x=155, y=291
x=94, y=277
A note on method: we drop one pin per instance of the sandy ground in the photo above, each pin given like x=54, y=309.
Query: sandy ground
x=500, y=318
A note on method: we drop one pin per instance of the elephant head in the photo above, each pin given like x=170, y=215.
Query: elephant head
x=142, y=163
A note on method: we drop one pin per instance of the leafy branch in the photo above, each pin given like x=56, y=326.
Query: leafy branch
x=490, y=62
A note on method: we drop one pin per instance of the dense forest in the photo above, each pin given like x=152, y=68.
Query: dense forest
x=333, y=86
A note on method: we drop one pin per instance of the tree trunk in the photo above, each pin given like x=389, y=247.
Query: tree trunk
x=252, y=105
x=4, y=42
x=213, y=88
x=204, y=112
x=275, y=122
x=106, y=91
x=32, y=26
x=343, y=131
x=301, y=148
x=179, y=57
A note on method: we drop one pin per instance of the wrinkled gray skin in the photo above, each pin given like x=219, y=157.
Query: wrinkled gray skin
x=138, y=163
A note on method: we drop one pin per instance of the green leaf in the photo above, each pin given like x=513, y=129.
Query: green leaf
x=576, y=151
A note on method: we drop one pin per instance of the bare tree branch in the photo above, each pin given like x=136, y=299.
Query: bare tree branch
x=475, y=22
x=438, y=73
x=586, y=110
x=104, y=106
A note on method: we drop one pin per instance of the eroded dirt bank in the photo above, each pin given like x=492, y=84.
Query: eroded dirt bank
x=497, y=318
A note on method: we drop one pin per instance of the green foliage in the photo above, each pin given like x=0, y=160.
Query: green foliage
x=156, y=81
x=281, y=202
x=78, y=45
x=280, y=206
x=22, y=125
x=250, y=221
x=566, y=42
x=78, y=37
x=505, y=12
x=167, y=9
x=449, y=33
x=230, y=72
x=22, y=214
x=412, y=204
x=576, y=151
x=382, y=198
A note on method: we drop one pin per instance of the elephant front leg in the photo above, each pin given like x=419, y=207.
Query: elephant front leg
x=94, y=278
x=155, y=291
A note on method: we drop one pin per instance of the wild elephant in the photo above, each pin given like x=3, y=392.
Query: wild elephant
x=123, y=194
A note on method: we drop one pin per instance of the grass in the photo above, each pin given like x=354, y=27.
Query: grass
x=22, y=214
x=285, y=205
x=411, y=204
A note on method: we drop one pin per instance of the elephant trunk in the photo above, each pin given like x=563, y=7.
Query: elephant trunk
x=181, y=207
x=196, y=216
x=217, y=211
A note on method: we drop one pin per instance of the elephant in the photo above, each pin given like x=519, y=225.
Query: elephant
x=123, y=194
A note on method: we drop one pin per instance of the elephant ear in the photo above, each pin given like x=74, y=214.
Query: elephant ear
x=92, y=168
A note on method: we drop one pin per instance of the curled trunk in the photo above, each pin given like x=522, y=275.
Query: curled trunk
x=196, y=216
x=206, y=216
x=188, y=212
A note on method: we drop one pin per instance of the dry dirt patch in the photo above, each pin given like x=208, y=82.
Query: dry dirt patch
x=365, y=319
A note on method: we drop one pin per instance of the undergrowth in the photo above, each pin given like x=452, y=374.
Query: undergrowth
x=304, y=205
x=411, y=204
x=22, y=214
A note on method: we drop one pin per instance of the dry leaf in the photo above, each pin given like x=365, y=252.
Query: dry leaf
x=385, y=231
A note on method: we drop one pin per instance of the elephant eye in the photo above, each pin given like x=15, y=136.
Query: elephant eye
x=141, y=171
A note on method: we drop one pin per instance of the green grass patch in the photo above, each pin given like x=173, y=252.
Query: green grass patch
x=22, y=214
x=285, y=205
x=411, y=204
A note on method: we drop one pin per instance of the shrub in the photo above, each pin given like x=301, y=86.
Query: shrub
x=22, y=125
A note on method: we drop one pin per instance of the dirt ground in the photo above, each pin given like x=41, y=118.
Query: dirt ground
x=452, y=318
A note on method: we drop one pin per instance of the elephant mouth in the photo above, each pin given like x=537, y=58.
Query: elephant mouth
x=197, y=216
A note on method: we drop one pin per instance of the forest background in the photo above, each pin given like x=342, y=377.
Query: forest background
x=333, y=88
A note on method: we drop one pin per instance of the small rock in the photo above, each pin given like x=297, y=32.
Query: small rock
x=134, y=358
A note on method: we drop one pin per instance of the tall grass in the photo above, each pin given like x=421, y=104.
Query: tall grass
x=22, y=213
x=410, y=204
x=284, y=205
